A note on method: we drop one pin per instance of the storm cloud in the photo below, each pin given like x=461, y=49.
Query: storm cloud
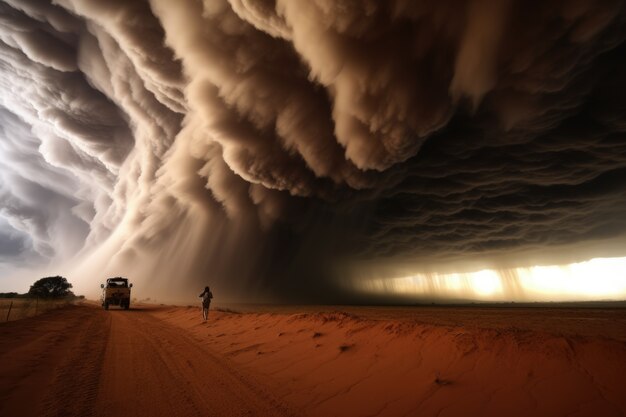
x=267, y=146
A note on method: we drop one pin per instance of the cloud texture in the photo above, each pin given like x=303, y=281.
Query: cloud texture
x=257, y=145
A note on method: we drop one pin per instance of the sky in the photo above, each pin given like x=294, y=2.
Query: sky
x=313, y=150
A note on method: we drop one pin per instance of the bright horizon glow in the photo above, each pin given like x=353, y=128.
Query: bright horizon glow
x=593, y=280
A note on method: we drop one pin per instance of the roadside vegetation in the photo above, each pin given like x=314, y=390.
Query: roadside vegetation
x=44, y=295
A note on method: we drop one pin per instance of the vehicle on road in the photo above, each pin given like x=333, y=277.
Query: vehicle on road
x=116, y=292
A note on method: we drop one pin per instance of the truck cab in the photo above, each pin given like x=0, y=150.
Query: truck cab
x=116, y=291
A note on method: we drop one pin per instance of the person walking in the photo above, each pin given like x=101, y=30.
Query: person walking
x=206, y=302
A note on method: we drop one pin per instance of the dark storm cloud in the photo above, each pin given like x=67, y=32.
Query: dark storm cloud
x=12, y=243
x=39, y=201
x=276, y=139
x=479, y=187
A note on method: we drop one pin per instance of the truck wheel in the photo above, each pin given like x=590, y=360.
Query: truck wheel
x=106, y=306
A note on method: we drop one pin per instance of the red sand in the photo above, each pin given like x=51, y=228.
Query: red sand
x=84, y=361
x=371, y=362
x=360, y=365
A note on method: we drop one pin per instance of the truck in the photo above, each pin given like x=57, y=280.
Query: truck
x=116, y=292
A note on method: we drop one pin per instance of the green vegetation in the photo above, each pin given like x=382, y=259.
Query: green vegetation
x=45, y=294
x=51, y=287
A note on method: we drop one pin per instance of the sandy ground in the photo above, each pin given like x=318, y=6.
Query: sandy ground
x=83, y=361
x=451, y=361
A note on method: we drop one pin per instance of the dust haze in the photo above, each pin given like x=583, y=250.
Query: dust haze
x=271, y=148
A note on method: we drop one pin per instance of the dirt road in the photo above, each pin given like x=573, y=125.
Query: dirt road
x=457, y=361
x=83, y=361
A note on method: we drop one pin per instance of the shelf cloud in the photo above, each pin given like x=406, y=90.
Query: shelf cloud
x=267, y=146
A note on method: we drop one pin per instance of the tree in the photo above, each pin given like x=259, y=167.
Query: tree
x=51, y=287
x=9, y=295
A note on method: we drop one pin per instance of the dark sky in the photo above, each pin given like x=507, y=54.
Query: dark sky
x=268, y=147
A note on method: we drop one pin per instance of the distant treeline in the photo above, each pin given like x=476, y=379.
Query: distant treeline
x=27, y=295
x=13, y=295
x=48, y=287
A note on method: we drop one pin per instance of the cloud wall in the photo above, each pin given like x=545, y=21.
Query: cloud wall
x=267, y=146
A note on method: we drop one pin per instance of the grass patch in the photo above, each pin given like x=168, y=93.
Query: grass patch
x=21, y=308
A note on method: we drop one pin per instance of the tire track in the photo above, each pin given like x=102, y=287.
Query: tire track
x=44, y=359
x=177, y=376
x=76, y=382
